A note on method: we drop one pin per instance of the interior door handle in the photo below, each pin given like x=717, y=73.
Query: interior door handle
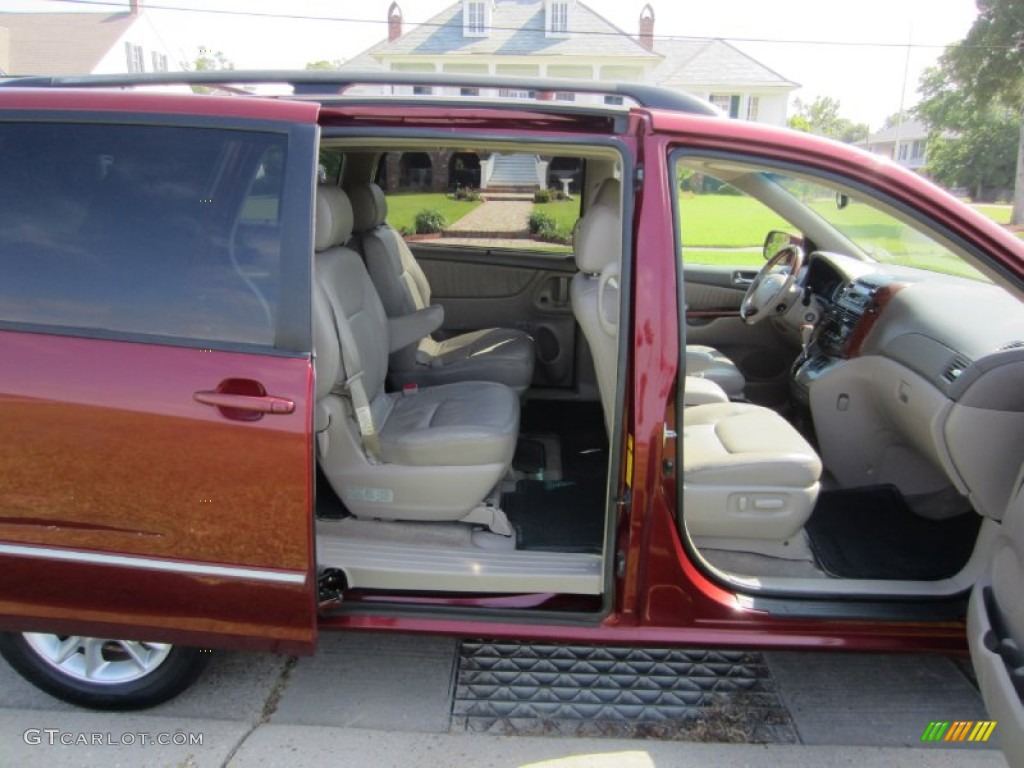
x=257, y=403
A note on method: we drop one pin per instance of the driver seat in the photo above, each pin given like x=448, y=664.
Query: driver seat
x=708, y=363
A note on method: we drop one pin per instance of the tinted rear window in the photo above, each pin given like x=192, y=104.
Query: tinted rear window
x=141, y=229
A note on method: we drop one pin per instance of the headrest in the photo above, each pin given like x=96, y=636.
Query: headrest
x=333, y=217
x=369, y=207
x=597, y=241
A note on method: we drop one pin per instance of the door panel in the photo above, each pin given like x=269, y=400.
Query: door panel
x=156, y=385
x=995, y=631
x=484, y=289
x=760, y=352
x=159, y=505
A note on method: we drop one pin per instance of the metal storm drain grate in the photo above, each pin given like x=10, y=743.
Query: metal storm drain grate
x=660, y=693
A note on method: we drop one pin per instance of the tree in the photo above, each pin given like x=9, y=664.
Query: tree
x=324, y=64
x=989, y=66
x=207, y=60
x=897, y=118
x=821, y=116
x=968, y=145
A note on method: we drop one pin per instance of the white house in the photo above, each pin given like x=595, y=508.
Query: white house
x=83, y=43
x=906, y=143
x=566, y=39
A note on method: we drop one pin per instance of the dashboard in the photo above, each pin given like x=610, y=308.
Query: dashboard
x=913, y=378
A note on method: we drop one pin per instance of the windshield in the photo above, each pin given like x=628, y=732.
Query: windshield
x=878, y=234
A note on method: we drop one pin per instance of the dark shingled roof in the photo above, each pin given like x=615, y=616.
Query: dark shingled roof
x=61, y=43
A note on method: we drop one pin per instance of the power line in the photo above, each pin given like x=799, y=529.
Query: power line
x=437, y=25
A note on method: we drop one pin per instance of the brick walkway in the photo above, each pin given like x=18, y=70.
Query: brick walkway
x=494, y=218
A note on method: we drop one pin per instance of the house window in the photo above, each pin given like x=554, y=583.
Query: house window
x=469, y=92
x=476, y=21
x=615, y=101
x=422, y=90
x=727, y=102
x=753, y=103
x=917, y=152
x=558, y=18
x=509, y=93
x=135, y=61
x=159, y=61
x=565, y=96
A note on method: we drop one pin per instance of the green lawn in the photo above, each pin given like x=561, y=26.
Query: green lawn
x=725, y=221
x=716, y=227
x=998, y=213
x=402, y=208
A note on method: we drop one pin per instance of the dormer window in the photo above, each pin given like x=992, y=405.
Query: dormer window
x=559, y=18
x=475, y=15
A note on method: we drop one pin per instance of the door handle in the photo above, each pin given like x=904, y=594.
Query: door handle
x=743, y=278
x=257, y=403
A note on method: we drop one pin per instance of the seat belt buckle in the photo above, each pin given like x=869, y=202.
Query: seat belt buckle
x=352, y=380
x=410, y=389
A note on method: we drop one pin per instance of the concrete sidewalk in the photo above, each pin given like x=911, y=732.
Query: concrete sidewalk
x=23, y=742
x=369, y=699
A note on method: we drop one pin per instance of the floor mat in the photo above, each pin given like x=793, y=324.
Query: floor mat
x=870, y=533
x=530, y=457
x=557, y=516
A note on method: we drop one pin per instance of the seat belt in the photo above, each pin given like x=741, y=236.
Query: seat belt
x=353, y=387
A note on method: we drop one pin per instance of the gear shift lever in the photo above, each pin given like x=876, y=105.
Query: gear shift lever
x=805, y=337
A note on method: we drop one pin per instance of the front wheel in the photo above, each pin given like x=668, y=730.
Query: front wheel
x=102, y=673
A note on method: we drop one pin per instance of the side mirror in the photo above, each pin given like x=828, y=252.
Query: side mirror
x=777, y=240
x=842, y=201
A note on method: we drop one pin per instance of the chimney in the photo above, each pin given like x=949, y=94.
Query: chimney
x=135, y=7
x=394, y=22
x=647, y=27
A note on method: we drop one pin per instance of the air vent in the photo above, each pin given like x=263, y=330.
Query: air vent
x=1012, y=345
x=955, y=369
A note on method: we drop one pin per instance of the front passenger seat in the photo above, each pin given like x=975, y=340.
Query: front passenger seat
x=594, y=292
x=491, y=354
x=432, y=454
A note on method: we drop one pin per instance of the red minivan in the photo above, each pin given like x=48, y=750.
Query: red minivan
x=705, y=383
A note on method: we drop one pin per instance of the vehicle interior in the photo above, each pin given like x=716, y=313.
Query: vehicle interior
x=851, y=421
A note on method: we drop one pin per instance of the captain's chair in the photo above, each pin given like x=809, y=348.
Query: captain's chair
x=504, y=355
x=432, y=454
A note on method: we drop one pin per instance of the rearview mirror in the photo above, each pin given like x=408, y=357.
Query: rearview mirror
x=777, y=240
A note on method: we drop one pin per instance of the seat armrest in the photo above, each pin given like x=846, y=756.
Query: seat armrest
x=700, y=391
x=407, y=329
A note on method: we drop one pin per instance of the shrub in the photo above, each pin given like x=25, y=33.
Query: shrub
x=542, y=224
x=542, y=196
x=429, y=221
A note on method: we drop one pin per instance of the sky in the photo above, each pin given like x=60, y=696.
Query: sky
x=855, y=51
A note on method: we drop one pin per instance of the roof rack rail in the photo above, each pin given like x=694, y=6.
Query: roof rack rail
x=333, y=84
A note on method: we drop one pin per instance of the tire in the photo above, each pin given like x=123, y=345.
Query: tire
x=102, y=673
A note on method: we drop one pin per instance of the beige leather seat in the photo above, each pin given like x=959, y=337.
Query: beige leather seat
x=747, y=473
x=594, y=292
x=493, y=354
x=708, y=363
x=431, y=455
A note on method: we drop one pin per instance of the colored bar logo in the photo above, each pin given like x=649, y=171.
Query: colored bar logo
x=958, y=730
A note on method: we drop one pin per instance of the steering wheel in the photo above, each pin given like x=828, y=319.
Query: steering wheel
x=771, y=284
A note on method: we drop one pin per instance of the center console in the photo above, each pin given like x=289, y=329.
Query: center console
x=849, y=317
